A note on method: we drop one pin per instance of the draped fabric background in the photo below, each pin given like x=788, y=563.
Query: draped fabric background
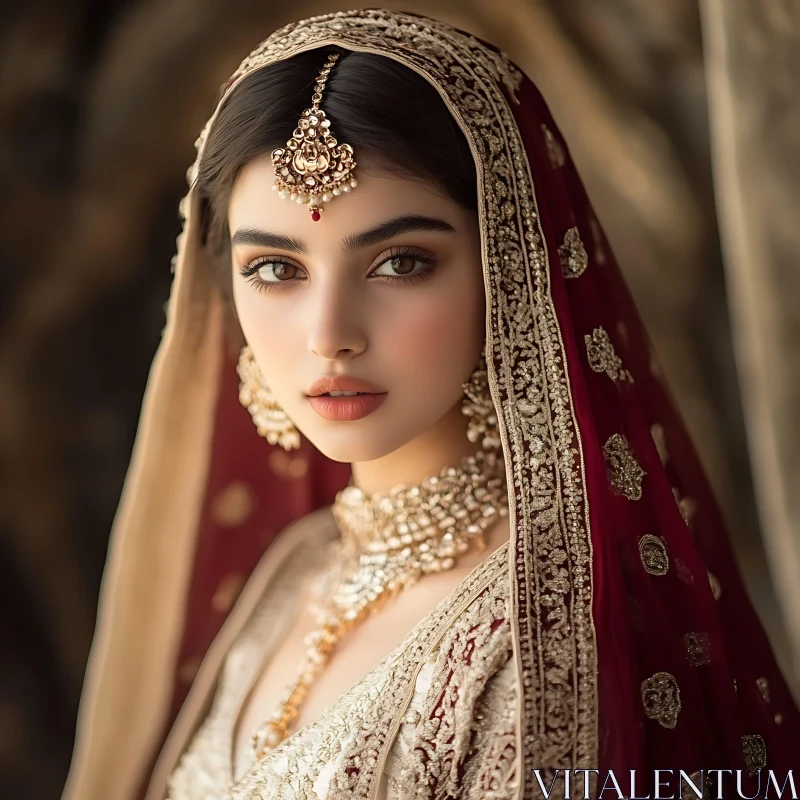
x=752, y=63
x=100, y=103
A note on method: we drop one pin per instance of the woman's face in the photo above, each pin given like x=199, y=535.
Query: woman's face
x=386, y=287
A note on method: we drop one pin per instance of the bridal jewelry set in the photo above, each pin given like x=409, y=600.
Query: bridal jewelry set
x=388, y=540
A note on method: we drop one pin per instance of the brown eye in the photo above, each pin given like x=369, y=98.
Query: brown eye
x=276, y=271
x=402, y=265
x=399, y=266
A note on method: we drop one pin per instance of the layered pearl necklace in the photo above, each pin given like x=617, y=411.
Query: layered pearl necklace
x=389, y=540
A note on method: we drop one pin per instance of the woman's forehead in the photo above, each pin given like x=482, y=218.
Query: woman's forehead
x=381, y=195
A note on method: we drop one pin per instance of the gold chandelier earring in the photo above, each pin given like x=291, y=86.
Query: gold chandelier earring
x=478, y=407
x=270, y=419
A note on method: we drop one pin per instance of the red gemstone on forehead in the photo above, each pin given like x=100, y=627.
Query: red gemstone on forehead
x=315, y=215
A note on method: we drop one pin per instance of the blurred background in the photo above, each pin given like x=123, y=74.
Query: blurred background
x=684, y=121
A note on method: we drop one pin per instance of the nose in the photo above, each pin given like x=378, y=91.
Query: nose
x=337, y=330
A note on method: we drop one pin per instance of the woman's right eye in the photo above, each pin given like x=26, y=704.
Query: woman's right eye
x=266, y=273
x=275, y=270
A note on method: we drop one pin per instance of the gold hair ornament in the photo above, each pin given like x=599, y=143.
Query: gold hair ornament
x=314, y=167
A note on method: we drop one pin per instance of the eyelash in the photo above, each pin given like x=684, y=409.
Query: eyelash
x=250, y=270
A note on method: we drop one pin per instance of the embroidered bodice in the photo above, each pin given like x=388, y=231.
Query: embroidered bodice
x=434, y=719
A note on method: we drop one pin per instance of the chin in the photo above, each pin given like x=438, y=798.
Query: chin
x=349, y=444
x=351, y=449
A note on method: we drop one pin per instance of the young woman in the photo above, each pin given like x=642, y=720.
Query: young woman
x=527, y=574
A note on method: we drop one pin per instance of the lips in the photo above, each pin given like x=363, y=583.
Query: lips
x=344, y=383
x=344, y=408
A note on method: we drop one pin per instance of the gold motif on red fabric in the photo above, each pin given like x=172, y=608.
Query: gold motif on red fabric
x=573, y=255
x=623, y=471
x=661, y=699
x=653, y=553
x=755, y=752
x=603, y=357
x=698, y=648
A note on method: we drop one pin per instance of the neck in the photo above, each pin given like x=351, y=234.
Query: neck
x=445, y=444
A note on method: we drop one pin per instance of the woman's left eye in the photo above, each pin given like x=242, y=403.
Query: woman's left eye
x=405, y=267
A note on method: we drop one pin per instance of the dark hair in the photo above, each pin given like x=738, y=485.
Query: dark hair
x=374, y=103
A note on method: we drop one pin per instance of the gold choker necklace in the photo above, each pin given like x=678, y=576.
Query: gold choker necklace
x=388, y=542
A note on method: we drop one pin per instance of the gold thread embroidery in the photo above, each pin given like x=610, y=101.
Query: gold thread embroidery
x=698, y=648
x=602, y=356
x=763, y=687
x=653, y=553
x=660, y=441
x=661, y=699
x=472, y=653
x=555, y=151
x=623, y=471
x=755, y=752
x=572, y=254
x=716, y=586
x=472, y=625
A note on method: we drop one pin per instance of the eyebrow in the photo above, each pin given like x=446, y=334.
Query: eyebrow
x=394, y=227
x=257, y=238
x=408, y=223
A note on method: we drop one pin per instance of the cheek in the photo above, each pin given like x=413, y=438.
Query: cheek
x=439, y=337
x=267, y=329
x=247, y=308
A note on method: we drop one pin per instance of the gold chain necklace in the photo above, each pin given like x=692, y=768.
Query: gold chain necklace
x=389, y=540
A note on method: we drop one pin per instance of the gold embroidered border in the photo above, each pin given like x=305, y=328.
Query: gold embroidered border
x=552, y=580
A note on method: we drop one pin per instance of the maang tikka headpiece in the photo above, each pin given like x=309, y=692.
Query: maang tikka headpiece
x=313, y=167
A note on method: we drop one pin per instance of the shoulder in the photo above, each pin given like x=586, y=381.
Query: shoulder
x=296, y=554
x=302, y=540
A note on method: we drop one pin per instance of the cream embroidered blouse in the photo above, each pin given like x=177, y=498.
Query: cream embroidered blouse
x=434, y=719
